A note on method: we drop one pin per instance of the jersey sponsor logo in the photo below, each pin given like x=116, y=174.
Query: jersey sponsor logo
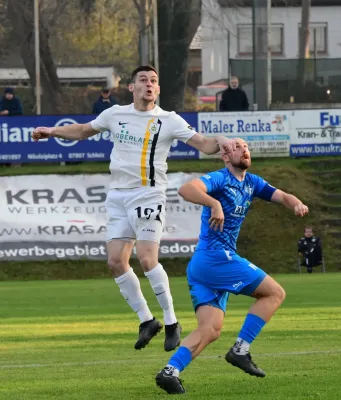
x=241, y=210
x=127, y=138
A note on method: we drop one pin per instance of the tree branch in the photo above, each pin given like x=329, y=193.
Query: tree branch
x=137, y=6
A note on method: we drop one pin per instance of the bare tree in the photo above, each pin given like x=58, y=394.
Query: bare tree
x=144, y=8
x=20, y=13
x=178, y=22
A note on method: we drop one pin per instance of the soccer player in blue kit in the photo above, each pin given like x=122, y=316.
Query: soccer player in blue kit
x=216, y=270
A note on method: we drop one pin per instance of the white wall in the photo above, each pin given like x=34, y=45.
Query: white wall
x=216, y=22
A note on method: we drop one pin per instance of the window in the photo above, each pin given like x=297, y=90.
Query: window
x=244, y=38
x=318, y=37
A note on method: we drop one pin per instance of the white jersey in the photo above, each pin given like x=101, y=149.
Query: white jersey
x=142, y=140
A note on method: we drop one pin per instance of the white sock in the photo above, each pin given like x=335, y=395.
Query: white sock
x=159, y=282
x=241, y=347
x=170, y=370
x=130, y=289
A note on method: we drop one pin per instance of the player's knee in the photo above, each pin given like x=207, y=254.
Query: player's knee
x=280, y=294
x=277, y=294
x=116, y=265
x=210, y=333
x=147, y=261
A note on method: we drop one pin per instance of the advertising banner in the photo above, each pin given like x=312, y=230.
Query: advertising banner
x=17, y=146
x=266, y=132
x=64, y=216
x=315, y=133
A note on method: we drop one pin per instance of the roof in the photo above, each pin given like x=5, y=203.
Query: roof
x=279, y=3
x=105, y=75
x=196, y=42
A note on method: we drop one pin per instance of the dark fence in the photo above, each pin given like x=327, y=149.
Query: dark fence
x=321, y=82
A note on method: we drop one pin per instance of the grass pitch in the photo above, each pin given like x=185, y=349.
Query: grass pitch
x=74, y=340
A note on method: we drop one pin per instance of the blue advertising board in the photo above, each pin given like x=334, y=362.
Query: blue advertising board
x=17, y=146
x=315, y=133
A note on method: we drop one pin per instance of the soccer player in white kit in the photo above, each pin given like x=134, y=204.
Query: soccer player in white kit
x=143, y=134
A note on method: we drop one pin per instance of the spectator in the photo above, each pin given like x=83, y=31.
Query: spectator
x=104, y=101
x=234, y=98
x=9, y=104
x=310, y=249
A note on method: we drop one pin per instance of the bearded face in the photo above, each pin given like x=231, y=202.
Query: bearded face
x=241, y=157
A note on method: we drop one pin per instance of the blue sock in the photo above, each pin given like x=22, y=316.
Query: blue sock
x=181, y=358
x=251, y=328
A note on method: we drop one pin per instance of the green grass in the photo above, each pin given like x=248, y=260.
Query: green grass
x=74, y=340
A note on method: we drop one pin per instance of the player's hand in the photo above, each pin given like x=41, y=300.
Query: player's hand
x=226, y=146
x=41, y=133
x=217, y=217
x=301, y=210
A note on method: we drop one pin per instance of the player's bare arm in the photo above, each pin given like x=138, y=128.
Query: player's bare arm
x=291, y=202
x=195, y=191
x=70, y=132
x=212, y=145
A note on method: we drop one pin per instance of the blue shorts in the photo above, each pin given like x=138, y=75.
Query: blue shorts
x=213, y=274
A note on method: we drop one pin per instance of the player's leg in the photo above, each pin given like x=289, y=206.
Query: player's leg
x=210, y=322
x=269, y=296
x=120, y=242
x=146, y=214
x=147, y=253
x=222, y=271
x=210, y=307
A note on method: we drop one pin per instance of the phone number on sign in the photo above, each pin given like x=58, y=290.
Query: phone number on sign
x=82, y=156
x=10, y=157
x=269, y=146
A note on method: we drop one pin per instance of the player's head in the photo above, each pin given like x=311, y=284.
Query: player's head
x=240, y=158
x=308, y=232
x=144, y=84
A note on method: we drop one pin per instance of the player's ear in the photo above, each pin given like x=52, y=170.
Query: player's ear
x=225, y=157
x=131, y=87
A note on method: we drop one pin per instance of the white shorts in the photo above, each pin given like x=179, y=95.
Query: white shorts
x=136, y=214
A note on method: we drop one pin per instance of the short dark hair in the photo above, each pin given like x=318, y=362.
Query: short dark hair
x=308, y=227
x=141, y=68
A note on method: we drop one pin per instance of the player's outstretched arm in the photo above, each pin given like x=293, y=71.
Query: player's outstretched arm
x=70, y=132
x=291, y=202
x=212, y=145
x=195, y=191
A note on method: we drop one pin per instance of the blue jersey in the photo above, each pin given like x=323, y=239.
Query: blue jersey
x=235, y=198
